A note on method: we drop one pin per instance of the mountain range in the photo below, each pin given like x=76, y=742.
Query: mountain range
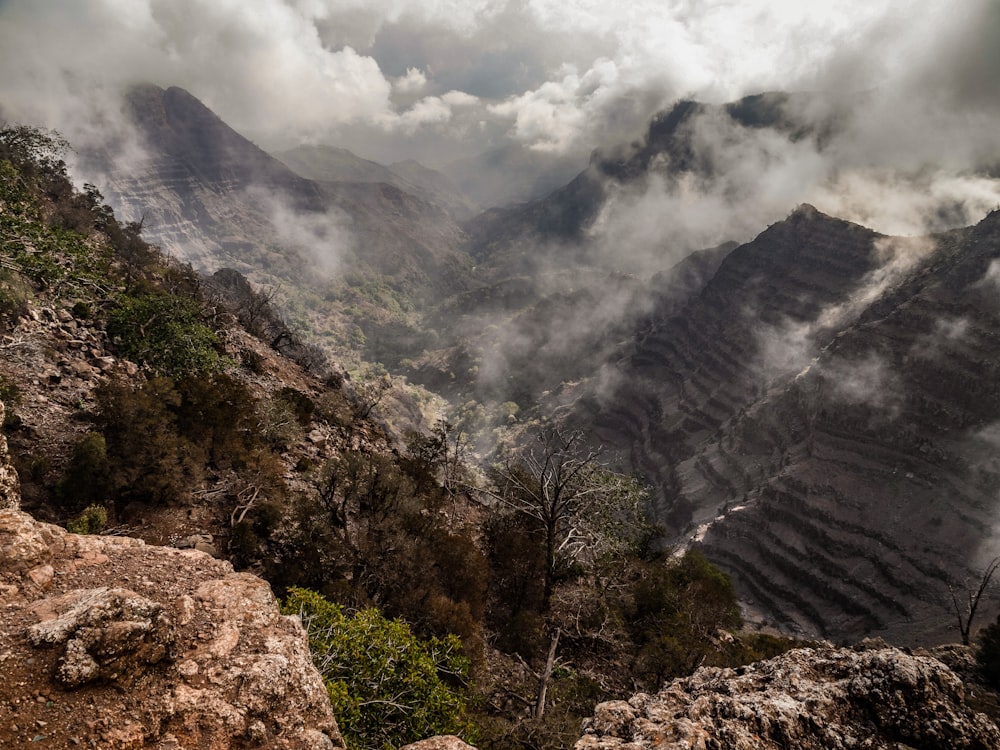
x=815, y=408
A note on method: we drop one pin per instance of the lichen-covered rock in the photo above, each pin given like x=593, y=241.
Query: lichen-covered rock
x=10, y=486
x=809, y=699
x=107, y=633
x=107, y=642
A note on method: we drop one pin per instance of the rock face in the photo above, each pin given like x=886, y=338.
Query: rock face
x=106, y=642
x=880, y=699
x=443, y=742
x=10, y=491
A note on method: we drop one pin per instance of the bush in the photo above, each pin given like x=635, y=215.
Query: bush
x=165, y=333
x=14, y=295
x=92, y=520
x=87, y=478
x=678, y=609
x=388, y=688
x=148, y=459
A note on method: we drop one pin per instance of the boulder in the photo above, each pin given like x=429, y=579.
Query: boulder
x=107, y=642
x=441, y=742
x=809, y=699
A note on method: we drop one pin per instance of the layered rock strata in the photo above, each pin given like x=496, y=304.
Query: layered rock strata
x=822, y=418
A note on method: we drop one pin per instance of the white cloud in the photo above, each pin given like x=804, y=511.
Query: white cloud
x=413, y=82
x=454, y=77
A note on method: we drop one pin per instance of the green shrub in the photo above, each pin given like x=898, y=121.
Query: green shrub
x=87, y=478
x=92, y=520
x=388, y=688
x=148, y=459
x=165, y=333
x=678, y=608
x=14, y=295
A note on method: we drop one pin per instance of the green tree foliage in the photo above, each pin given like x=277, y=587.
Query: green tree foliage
x=92, y=520
x=29, y=146
x=679, y=608
x=388, y=687
x=157, y=439
x=165, y=333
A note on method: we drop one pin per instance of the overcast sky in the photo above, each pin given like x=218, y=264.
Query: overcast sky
x=436, y=80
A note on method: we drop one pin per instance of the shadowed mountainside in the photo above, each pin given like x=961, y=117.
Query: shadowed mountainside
x=822, y=417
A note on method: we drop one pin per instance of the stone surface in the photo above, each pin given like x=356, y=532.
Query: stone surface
x=10, y=491
x=107, y=642
x=808, y=699
x=444, y=742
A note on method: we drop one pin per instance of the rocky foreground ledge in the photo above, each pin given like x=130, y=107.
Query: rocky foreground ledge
x=807, y=699
x=109, y=643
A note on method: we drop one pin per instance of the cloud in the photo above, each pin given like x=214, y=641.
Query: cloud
x=443, y=79
x=413, y=82
x=794, y=346
x=324, y=238
x=867, y=381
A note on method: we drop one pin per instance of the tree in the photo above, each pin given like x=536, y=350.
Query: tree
x=581, y=509
x=165, y=333
x=966, y=613
x=33, y=148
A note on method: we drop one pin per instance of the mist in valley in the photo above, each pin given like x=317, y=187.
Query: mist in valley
x=538, y=202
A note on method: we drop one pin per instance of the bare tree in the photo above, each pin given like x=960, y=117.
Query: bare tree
x=548, y=483
x=966, y=612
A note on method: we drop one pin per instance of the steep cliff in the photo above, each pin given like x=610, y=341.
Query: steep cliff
x=821, y=417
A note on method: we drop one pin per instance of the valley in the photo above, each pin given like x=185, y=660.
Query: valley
x=813, y=406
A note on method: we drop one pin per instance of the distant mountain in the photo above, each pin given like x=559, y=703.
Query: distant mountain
x=211, y=197
x=503, y=238
x=332, y=164
x=436, y=184
x=510, y=174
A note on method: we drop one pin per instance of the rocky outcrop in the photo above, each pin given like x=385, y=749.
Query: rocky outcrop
x=879, y=699
x=107, y=642
x=10, y=490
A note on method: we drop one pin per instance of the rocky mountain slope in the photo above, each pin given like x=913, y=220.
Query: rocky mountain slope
x=332, y=164
x=821, y=418
x=882, y=699
x=201, y=185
